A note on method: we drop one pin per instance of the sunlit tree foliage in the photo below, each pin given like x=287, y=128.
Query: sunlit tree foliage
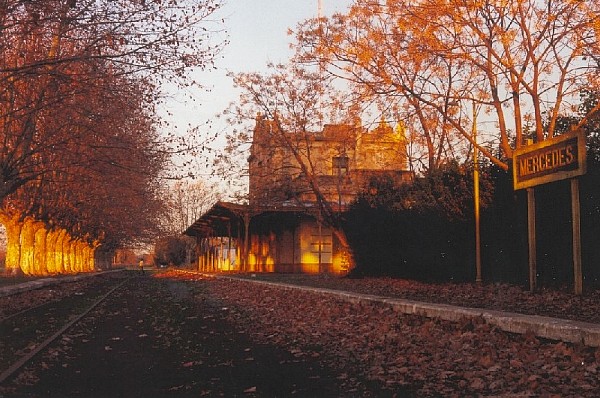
x=512, y=61
x=81, y=147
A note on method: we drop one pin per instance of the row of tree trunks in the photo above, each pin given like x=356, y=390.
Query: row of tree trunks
x=34, y=250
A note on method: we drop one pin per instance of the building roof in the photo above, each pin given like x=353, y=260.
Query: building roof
x=227, y=219
x=222, y=219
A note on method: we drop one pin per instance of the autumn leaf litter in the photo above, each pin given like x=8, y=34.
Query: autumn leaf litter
x=398, y=352
x=430, y=356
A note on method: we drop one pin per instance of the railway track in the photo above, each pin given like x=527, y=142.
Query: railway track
x=29, y=330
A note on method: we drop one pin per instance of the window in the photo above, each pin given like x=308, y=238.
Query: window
x=321, y=244
x=340, y=165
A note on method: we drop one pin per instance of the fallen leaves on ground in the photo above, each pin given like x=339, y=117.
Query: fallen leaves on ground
x=558, y=303
x=432, y=357
x=360, y=342
x=15, y=303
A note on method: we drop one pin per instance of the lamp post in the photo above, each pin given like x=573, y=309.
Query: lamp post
x=476, y=197
x=478, y=278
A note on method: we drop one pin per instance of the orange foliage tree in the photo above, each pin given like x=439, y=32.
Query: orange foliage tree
x=295, y=102
x=52, y=49
x=101, y=193
x=292, y=151
x=80, y=149
x=521, y=63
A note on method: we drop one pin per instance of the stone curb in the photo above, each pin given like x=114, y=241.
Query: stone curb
x=541, y=326
x=39, y=283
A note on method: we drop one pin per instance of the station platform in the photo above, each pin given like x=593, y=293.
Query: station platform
x=541, y=326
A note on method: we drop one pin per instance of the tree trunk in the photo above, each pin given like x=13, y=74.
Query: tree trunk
x=69, y=249
x=87, y=258
x=52, y=264
x=347, y=253
x=27, y=247
x=60, y=254
x=92, y=257
x=13, y=245
x=78, y=249
x=39, y=248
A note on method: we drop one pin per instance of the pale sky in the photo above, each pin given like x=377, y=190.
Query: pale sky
x=257, y=33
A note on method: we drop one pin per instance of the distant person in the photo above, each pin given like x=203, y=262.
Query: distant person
x=142, y=266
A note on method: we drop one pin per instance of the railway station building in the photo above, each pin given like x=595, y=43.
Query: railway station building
x=279, y=229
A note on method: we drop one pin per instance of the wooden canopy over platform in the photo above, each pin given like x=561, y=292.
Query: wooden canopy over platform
x=223, y=219
x=287, y=237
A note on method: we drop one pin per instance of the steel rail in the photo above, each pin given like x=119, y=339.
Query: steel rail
x=26, y=358
x=35, y=307
x=26, y=310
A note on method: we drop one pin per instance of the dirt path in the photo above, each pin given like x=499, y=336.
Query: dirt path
x=159, y=337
